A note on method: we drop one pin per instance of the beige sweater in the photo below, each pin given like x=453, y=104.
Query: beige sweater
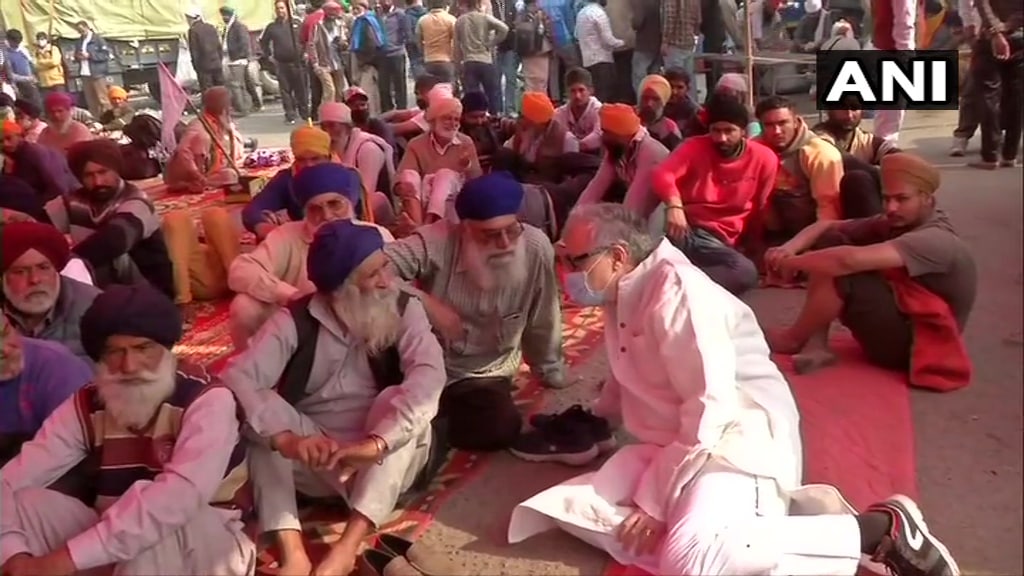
x=276, y=270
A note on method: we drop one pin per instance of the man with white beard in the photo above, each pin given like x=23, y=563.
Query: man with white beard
x=491, y=292
x=275, y=272
x=163, y=448
x=37, y=299
x=341, y=387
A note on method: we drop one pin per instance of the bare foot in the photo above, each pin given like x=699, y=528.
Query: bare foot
x=811, y=360
x=293, y=567
x=339, y=561
x=780, y=342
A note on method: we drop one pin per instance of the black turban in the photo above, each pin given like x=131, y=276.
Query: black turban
x=28, y=108
x=102, y=151
x=136, y=310
x=727, y=108
x=474, y=101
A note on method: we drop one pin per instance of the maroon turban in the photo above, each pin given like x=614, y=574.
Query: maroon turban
x=102, y=151
x=17, y=238
x=58, y=100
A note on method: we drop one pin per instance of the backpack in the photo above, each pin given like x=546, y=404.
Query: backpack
x=144, y=131
x=386, y=368
x=528, y=34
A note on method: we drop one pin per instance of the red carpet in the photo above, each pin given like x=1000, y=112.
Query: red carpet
x=857, y=430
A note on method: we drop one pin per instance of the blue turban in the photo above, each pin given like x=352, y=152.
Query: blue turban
x=325, y=178
x=137, y=310
x=474, y=101
x=490, y=196
x=339, y=248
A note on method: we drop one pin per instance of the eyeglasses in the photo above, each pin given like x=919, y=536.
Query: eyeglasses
x=494, y=236
x=577, y=261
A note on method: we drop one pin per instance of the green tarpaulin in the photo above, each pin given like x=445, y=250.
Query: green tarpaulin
x=123, y=19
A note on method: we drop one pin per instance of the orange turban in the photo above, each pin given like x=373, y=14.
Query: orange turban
x=619, y=120
x=537, y=107
x=657, y=84
x=116, y=92
x=11, y=127
x=310, y=141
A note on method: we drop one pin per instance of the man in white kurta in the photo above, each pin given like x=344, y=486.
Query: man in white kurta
x=713, y=484
x=160, y=447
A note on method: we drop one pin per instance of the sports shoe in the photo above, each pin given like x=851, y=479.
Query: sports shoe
x=564, y=444
x=576, y=415
x=959, y=148
x=909, y=549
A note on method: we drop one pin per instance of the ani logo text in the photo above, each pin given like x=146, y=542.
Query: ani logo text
x=886, y=80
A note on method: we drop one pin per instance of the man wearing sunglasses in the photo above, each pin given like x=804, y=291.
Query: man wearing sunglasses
x=491, y=293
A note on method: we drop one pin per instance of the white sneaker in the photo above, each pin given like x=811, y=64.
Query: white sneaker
x=959, y=147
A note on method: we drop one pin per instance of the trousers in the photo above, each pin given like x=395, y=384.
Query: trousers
x=372, y=491
x=437, y=191
x=1000, y=86
x=211, y=542
x=200, y=270
x=722, y=263
x=728, y=522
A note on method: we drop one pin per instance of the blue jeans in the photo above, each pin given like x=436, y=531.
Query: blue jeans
x=721, y=262
x=677, y=57
x=642, y=64
x=482, y=76
x=508, y=71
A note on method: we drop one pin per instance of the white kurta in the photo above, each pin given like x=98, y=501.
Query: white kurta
x=695, y=385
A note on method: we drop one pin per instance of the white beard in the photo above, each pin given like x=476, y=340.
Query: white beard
x=35, y=303
x=488, y=271
x=132, y=401
x=372, y=319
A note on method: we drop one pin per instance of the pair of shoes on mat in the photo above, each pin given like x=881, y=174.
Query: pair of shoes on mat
x=396, y=556
x=909, y=548
x=575, y=437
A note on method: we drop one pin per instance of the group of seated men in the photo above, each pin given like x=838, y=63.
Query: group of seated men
x=379, y=325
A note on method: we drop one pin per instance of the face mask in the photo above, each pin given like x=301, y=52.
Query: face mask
x=579, y=290
x=360, y=116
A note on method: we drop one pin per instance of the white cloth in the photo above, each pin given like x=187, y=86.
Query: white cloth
x=904, y=29
x=436, y=191
x=149, y=514
x=695, y=384
x=84, y=70
x=77, y=270
x=594, y=33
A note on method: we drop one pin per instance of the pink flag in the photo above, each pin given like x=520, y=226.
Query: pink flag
x=173, y=101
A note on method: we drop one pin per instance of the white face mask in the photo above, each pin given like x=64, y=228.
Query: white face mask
x=43, y=43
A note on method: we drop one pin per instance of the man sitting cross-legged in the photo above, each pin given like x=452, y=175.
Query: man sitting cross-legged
x=492, y=295
x=163, y=447
x=360, y=376
x=275, y=272
x=878, y=277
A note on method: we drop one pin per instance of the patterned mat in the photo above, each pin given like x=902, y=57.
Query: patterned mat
x=208, y=343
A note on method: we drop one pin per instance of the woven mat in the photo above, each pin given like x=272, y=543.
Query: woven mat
x=208, y=343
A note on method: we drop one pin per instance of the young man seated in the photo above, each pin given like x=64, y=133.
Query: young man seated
x=881, y=277
x=358, y=102
x=354, y=420
x=483, y=129
x=200, y=161
x=37, y=298
x=579, y=114
x=681, y=107
x=275, y=272
x=163, y=445
x=715, y=189
x=627, y=163
x=44, y=169
x=435, y=165
x=655, y=92
x=408, y=124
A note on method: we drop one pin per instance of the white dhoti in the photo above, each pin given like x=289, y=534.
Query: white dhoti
x=725, y=521
x=372, y=491
x=436, y=191
x=245, y=317
x=212, y=542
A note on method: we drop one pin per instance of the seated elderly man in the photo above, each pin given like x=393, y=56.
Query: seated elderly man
x=36, y=376
x=435, y=165
x=113, y=225
x=655, y=92
x=44, y=169
x=539, y=141
x=62, y=131
x=37, y=299
x=629, y=158
x=490, y=290
x=904, y=283
x=275, y=272
x=120, y=113
x=163, y=444
x=713, y=485
x=360, y=376
x=369, y=154
x=715, y=189
x=199, y=161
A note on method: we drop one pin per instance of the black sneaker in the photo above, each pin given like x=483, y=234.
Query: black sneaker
x=576, y=415
x=909, y=549
x=561, y=441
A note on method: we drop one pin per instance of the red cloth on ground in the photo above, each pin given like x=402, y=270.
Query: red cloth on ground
x=719, y=195
x=938, y=358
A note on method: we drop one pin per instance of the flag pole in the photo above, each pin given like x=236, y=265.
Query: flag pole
x=748, y=45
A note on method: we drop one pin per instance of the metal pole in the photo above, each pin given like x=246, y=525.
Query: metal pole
x=749, y=51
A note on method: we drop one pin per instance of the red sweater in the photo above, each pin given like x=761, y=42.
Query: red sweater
x=718, y=194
